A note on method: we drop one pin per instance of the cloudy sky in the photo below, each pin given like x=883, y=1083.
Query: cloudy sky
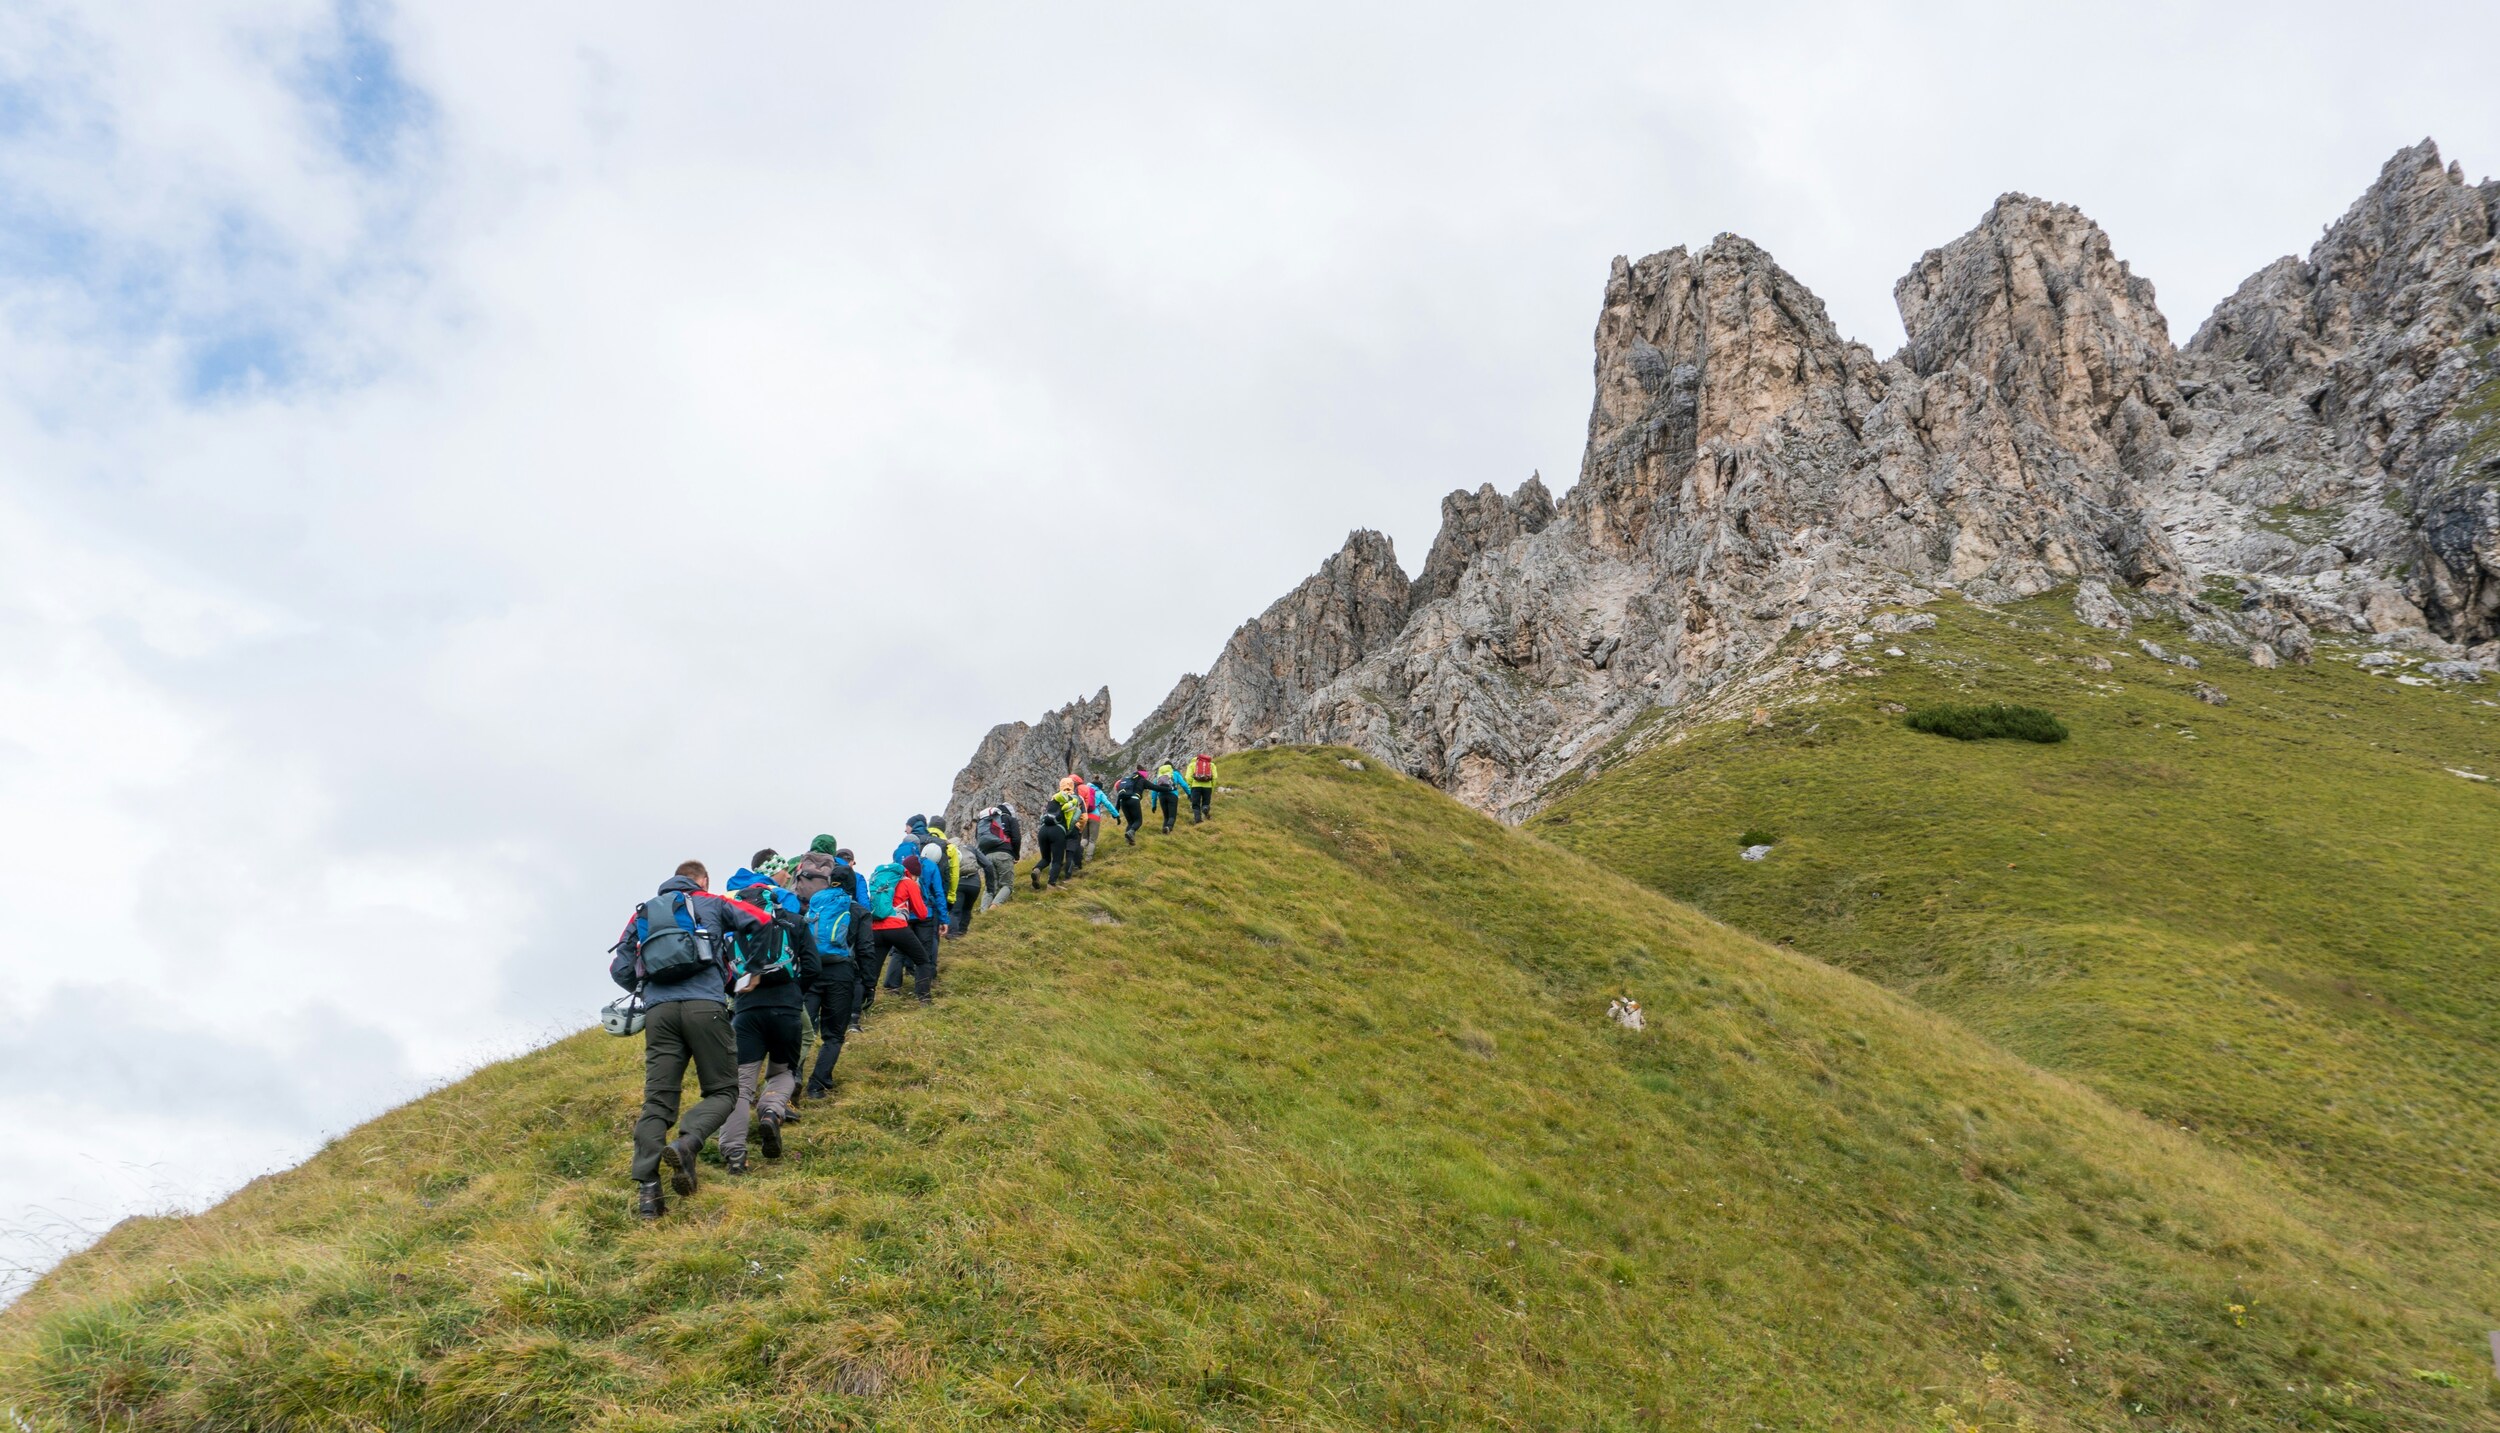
x=457, y=460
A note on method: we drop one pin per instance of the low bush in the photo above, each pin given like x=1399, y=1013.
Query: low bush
x=1979, y=723
x=1758, y=836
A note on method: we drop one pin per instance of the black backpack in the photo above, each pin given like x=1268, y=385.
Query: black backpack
x=672, y=947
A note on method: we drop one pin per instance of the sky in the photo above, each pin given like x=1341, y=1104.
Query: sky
x=459, y=460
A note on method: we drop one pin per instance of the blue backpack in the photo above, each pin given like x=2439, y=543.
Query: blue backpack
x=881, y=890
x=829, y=919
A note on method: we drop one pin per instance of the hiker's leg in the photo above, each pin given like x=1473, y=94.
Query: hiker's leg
x=664, y=1058
x=747, y=1029
x=782, y=1025
x=733, y=1130
x=833, y=1016
x=715, y=1050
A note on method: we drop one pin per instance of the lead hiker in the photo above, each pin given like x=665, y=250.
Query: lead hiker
x=774, y=968
x=1201, y=787
x=675, y=954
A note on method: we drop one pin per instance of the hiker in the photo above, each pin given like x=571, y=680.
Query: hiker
x=996, y=841
x=895, y=904
x=1132, y=794
x=1098, y=809
x=1170, y=789
x=863, y=934
x=832, y=919
x=1056, y=838
x=1201, y=787
x=1089, y=825
x=675, y=953
x=918, y=854
x=968, y=882
x=775, y=968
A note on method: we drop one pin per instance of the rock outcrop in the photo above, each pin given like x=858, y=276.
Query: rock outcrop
x=1277, y=662
x=1023, y=764
x=1750, y=473
x=2343, y=401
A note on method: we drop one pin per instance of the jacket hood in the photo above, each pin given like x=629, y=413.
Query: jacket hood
x=745, y=878
x=677, y=883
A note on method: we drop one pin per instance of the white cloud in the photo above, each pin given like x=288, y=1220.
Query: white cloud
x=456, y=461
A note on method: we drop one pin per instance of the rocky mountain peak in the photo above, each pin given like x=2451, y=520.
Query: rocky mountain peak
x=2049, y=333
x=1473, y=522
x=1696, y=352
x=1750, y=474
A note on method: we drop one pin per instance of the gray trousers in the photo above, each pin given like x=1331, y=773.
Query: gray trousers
x=771, y=1041
x=1001, y=882
x=779, y=1081
x=677, y=1033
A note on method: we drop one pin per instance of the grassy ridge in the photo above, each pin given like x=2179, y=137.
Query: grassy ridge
x=1309, y=1117
x=2269, y=922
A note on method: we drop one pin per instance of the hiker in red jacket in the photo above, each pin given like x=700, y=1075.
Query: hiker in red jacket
x=898, y=948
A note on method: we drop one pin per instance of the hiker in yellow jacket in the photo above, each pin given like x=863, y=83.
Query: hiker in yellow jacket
x=1201, y=774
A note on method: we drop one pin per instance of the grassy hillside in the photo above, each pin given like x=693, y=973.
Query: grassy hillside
x=1311, y=1117
x=2268, y=922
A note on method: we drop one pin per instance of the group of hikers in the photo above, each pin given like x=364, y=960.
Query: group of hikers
x=734, y=982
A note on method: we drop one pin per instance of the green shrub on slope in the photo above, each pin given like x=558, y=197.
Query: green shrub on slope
x=1964, y=722
x=1329, y=1130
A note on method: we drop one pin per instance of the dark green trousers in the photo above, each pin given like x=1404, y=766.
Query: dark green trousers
x=675, y=1034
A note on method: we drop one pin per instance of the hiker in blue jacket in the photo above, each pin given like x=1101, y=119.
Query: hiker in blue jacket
x=835, y=922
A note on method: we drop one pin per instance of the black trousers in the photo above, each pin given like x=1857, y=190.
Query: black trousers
x=1200, y=799
x=831, y=1002
x=1170, y=801
x=1134, y=813
x=900, y=948
x=1054, y=866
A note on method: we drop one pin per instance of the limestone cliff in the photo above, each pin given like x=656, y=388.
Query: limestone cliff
x=1749, y=472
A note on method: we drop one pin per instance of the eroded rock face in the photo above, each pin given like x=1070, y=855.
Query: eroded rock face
x=1023, y=764
x=1278, y=661
x=1750, y=475
x=2340, y=405
x=1473, y=522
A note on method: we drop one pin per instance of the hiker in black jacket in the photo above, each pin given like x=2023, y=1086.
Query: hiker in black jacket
x=1131, y=794
x=834, y=920
x=776, y=967
x=676, y=951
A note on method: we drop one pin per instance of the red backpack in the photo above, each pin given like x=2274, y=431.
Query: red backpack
x=1203, y=769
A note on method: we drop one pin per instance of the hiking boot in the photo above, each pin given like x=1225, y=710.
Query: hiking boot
x=734, y=1163
x=1037, y=879
x=649, y=1202
x=925, y=1000
x=680, y=1162
x=768, y=1134
x=790, y=1116
x=854, y=1024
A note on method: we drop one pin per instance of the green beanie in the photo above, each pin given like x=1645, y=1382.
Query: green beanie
x=826, y=844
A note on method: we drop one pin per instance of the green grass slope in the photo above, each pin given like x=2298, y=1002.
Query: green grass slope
x=1310, y=1118
x=2268, y=922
